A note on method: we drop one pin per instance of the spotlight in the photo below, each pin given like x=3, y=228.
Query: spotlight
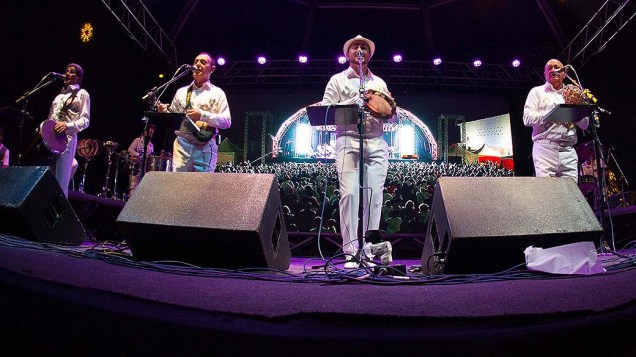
x=302, y=59
x=397, y=58
x=437, y=61
x=220, y=61
x=516, y=63
x=262, y=59
x=342, y=60
x=477, y=63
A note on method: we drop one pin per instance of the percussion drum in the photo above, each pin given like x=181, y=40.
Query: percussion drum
x=158, y=163
x=56, y=143
x=380, y=104
x=89, y=148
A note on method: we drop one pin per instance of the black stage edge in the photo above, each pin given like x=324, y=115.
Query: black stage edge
x=98, y=215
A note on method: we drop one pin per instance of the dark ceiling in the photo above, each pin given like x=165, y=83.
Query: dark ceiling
x=458, y=30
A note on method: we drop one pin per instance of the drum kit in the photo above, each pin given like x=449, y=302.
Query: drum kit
x=90, y=148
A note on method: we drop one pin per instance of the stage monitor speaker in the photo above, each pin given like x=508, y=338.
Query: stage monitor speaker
x=33, y=206
x=484, y=224
x=208, y=219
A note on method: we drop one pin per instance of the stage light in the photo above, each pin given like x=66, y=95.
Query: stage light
x=516, y=63
x=342, y=60
x=160, y=75
x=262, y=59
x=220, y=61
x=397, y=58
x=437, y=61
x=303, y=139
x=477, y=63
x=407, y=140
x=302, y=59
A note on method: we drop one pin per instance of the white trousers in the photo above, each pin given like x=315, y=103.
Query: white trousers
x=64, y=164
x=187, y=157
x=376, y=164
x=554, y=160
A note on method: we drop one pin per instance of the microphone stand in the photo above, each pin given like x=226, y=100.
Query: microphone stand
x=362, y=90
x=153, y=100
x=24, y=114
x=598, y=153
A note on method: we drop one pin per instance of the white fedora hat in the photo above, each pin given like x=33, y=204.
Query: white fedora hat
x=347, y=44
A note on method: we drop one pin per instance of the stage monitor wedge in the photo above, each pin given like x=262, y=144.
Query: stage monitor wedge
x=33, y=206
x=224, y=220
x=484, y=224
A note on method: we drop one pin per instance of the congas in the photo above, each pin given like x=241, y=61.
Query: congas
x=587, y=183
x=158, y=163
x=380, y=104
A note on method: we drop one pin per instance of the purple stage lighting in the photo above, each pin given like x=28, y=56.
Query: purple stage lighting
x=302, y=59
x=397, y=58
x=477, y=63
x=262, y=59
x=437, y=61
x=220, y=61
x=516, y=63
x=342, y=60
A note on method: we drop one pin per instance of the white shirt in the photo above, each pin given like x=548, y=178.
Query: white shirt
x=540, y=101
x=344, y=88
x=209, y=99
x=136, y=148
x=77, y=117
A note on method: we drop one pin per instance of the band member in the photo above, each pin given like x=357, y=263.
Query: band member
x=71, y=111
x=553, y=150
x=206, y=105
x=344, y=88
x=4, y=151
x=136, y=151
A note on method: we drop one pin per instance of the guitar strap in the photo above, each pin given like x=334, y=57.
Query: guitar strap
x=69, y=101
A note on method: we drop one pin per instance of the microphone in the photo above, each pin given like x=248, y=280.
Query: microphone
x=562, y=69
x=359, y=53
x=58, y=76
x=190, y=67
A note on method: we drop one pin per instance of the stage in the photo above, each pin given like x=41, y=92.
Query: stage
x=97, y=299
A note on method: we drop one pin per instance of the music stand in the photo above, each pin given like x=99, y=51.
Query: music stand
x=334, y=114
x=165, y=121
x=573, y=113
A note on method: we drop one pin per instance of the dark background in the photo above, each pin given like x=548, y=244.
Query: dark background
x=40, y=38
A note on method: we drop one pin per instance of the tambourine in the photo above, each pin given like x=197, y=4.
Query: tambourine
x=380, y=104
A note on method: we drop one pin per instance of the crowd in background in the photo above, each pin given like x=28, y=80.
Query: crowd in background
x=309, y=192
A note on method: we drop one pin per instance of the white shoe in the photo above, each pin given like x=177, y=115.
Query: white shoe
x=351, y=264
x=368, y=263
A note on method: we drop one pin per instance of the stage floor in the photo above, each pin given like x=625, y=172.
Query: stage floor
x=110, y=294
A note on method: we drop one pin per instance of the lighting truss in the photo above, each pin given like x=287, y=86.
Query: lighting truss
x=602, y=27
x=143, y=29
x=405, y=73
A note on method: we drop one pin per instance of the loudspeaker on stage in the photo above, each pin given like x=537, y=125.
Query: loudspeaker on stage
x=484, y=224
x=33, y=206
x=225, y=220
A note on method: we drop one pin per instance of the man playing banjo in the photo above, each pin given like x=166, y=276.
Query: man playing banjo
x=344, y=88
